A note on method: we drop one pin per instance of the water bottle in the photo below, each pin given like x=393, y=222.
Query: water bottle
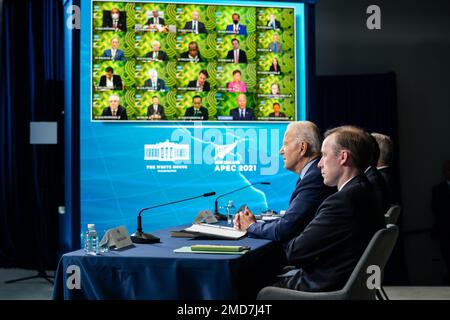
x=231, y=212
x=91, y=240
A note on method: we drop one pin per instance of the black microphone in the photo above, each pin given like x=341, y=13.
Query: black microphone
x=216, y=211
x=140, y=237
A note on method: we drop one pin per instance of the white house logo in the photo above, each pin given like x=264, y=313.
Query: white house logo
x=167, y=151
x=222, y=151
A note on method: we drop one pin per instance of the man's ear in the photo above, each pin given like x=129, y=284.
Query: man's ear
x=303, y=148
x=344, y=157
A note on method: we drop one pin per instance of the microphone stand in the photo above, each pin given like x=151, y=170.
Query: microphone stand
x=220, y=216
x=140, y=237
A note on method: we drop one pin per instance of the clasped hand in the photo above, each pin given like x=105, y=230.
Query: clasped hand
x=243, y=220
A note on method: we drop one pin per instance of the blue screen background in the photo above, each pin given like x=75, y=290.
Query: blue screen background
x=116, y=181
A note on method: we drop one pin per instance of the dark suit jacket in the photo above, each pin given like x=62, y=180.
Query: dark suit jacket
x=185, y=55
x=108, y=21
x=331, y=245
x=242, y=56
x=273, y=69
x=161, y=55
x=120, y=55
x=281, y=114
x=193, y=84
x=117, y=82
x=441, y=211
x=160, y=111
x=441, y=200
x=200, y=26
x=121, y=111
x=190, y=112
x=277, y=24
x=161, y=84
x=308, y=194
x=392, y=185
x=380, y=187
x=152, y=21
x=248, y=114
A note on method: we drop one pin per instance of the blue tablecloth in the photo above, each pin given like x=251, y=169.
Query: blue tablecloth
x=154, y=271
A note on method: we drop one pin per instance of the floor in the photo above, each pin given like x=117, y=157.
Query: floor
x=41, y=289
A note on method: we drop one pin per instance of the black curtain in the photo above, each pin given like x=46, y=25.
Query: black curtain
x=31, y=89
x=369, y=101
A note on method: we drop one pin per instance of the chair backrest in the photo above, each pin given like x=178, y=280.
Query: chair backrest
x=392, y=214
x=376, y=254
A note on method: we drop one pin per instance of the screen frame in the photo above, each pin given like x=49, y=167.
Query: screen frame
x=301, y=95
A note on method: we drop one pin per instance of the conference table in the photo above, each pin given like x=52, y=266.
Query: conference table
x=156, y=272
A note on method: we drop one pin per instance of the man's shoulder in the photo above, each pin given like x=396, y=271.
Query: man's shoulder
x=358, y=190
x=313, y=179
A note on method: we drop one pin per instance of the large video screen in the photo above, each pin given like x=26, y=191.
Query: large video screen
x=194, y=62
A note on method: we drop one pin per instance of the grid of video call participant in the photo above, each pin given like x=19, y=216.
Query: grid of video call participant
x=181, y=62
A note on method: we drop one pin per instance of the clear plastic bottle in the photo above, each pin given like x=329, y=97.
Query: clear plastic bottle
x=231, y=212
x=91, y=240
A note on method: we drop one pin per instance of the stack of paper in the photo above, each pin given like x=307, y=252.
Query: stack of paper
x=216, y=231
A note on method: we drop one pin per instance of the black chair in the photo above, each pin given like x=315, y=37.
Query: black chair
x=392, y=215
x=377, y=253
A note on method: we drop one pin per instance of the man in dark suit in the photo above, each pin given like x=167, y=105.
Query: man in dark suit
x=156, y=19
x=441, y=211
x=301, y=154
x=197, y=110
x=376, y=179
x=236, y=27
x=115, y=19
x=200, y=84
x=115, y=111
x=242, y=112
x=329, y=248
x=384, y=165
x=155, y=111
x=273, y=23
x=115, y=54
x=154, y=83
x=195, y=26
x=237, y=55
x=110, y=80
x=193, y=53
x=156, y=54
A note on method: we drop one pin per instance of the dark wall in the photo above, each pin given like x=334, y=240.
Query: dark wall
x=414, y=42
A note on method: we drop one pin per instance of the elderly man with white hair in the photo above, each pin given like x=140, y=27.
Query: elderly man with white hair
x=154, y=83
x=301, y=154
x=115, y=111
x=157, y=54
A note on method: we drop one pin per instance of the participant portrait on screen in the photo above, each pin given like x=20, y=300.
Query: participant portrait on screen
x=169, y=61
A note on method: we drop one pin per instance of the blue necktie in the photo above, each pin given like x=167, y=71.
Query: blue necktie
x=242, y=115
